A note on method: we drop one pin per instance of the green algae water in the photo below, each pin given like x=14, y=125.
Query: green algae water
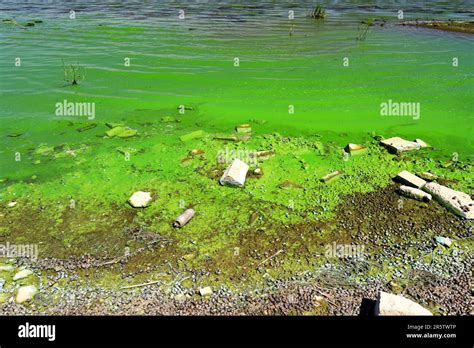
x=165, y=69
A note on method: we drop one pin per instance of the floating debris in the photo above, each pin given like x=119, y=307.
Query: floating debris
x=226, y=138
x=410, y=179
x=193, y=135
x=264, y=153
x=89, y=126
x=121, y=132
x=196, y=152
x=169, y=119
x=396, y=145
x=331, y=176
x=458, y=202
x=140, y=199
x=243, y=128
x=235, y=173
x=184, y=218
x=390, y=304
x=288, y=184
x=414, y=193
x=355, y=149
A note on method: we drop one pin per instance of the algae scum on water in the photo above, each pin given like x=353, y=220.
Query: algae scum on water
x=253, y=159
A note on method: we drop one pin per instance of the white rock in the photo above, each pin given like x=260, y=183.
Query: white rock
x=414, y=193
x=140, y=199
x=397, y=145
x=410, y=179
x=12, y=204
x=458, y=202
x=390, y=304
x=445, y=241
x=26, y=293
x=235, y=174
x=22, y=274
x=421, y=143
x=207, y=291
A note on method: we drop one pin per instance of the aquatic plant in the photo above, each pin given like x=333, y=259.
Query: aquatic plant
x=73, y=73
x=362, y=30
x=317, y=13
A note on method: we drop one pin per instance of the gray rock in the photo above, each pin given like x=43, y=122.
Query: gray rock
x=235, y=174
x=22, y=274
x=390, y=304
x=397, y=145
x=410, y=179
x=458, y=202
x=140, y=199
x=26, y=293
x=414, y=193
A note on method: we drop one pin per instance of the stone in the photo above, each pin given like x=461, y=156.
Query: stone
x=140, y=199
x=414, y=193
x=397, y=145
x=390, y=304
x=407, y=178
x=26, y=293
x=458, y=202
x=235, y=174
x=355, y=149
x=22, y=274
x=206, y=291
x=12, y=204
x=444, y=241
x=121, y=132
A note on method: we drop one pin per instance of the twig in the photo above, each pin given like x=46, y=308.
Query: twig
x=269, y=258
x=143, y=284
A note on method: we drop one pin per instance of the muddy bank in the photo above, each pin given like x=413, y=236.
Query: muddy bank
x=456, y=26
x=401, y=256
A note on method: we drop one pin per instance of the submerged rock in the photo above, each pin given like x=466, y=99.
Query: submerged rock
x=121, y=132
x=193, y=135
x=414, y=193
x=390, y=304
x=407, y=178
x=235, y=174
x=397, y=145
x=26, y=293
x=458, y=202
x=140, y=199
